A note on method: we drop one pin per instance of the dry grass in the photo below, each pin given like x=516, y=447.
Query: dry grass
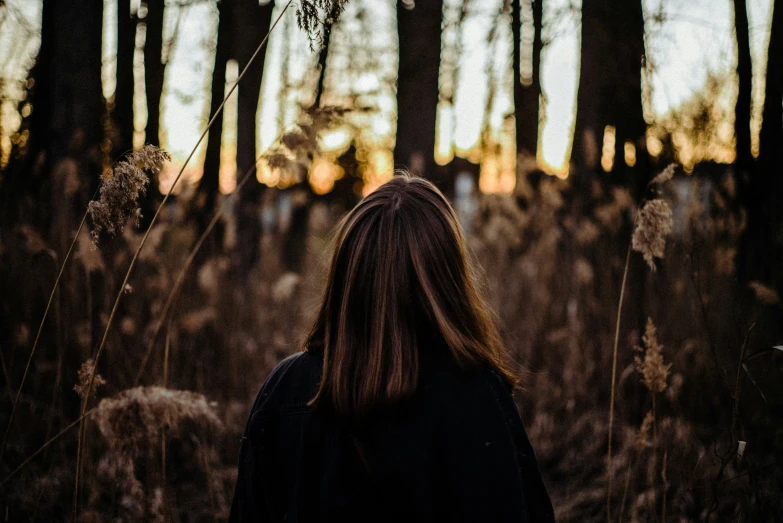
x=553, y=265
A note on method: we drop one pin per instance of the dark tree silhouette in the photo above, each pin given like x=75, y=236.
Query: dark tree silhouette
x=67, y=107
x=252, y=23
x=761, y=245
x=122, y=114
x=68, y=98
x=610, y=89
x=745, y=76
x=771, y=134
x=153, y=68
x=209, y=183
x=527, y=91
x=242, y=24
x=590, y=119
x=419, y=32
x=323, y=53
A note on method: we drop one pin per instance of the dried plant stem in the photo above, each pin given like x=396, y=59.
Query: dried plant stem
x=665, y=486
x=627, y=484
x=611, y=397
x=163, y=429
x=184, y=271
x=735, y=406
x=146, y=235
x=46, y=445
x=163, y=460
x=654, y=453
x=38, y=335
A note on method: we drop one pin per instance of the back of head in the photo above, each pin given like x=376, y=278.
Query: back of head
x=401, y=283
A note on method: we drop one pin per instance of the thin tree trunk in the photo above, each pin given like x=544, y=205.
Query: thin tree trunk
x=745, y=78
x=251, y=19
x=153, y=68
x=419, y=32
x=516, y=69
x=589, y=125
x=153, y=82
x=625, y=99
x=123, y=92
x=323, y=54
x=209, y=184
x=527, y=91
x=761, y=251
x=771, y=135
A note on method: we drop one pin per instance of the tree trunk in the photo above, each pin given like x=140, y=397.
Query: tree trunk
x=74, y=93
x=252, y=23
x=123, y=93
x=323, y=54
x=625, y=99
x=771, y=135
x=745, y=79
x=419, y=32
x=153, y=68
x=761, y=245
x=72, y=113
x=209, y=184
x=610, y=90
x=527, y=90
x=590, y=122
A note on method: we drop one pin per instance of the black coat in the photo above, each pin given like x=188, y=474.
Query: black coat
x=457, y=451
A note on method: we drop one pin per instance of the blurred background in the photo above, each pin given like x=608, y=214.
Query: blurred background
x=544, y=121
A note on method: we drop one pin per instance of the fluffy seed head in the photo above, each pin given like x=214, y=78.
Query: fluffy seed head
x=642, y=440
x=651, y=366
x=132, y=420
x=121, y=188
x=653, y=225
x=665, y=175
x=85, y=371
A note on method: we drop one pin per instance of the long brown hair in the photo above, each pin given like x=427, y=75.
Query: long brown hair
x=401, y=282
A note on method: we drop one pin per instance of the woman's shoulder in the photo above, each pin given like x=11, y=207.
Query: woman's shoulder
x=290, y=385
x=479, y=385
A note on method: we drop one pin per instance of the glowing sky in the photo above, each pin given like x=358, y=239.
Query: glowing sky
x=695, y=38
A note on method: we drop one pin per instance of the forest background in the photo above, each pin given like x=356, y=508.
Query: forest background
x=616, y=164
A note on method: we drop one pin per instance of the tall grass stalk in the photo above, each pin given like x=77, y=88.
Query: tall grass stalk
x=40, y=329
x=144, y=240
x=625, y=488
x=188, y=262
x=653, y=227
x=612, y=393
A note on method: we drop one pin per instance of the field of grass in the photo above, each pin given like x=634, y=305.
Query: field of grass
x=695, y=431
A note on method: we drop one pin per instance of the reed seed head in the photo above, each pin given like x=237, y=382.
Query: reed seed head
x=653, y=225
x=121, y=188
x=654, y=371
x=85, y=371
x=643, y=440
x=665, y=175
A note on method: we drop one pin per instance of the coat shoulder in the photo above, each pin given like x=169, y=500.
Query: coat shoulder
x=290, y=385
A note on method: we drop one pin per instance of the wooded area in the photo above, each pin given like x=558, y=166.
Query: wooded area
x=195, y=300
